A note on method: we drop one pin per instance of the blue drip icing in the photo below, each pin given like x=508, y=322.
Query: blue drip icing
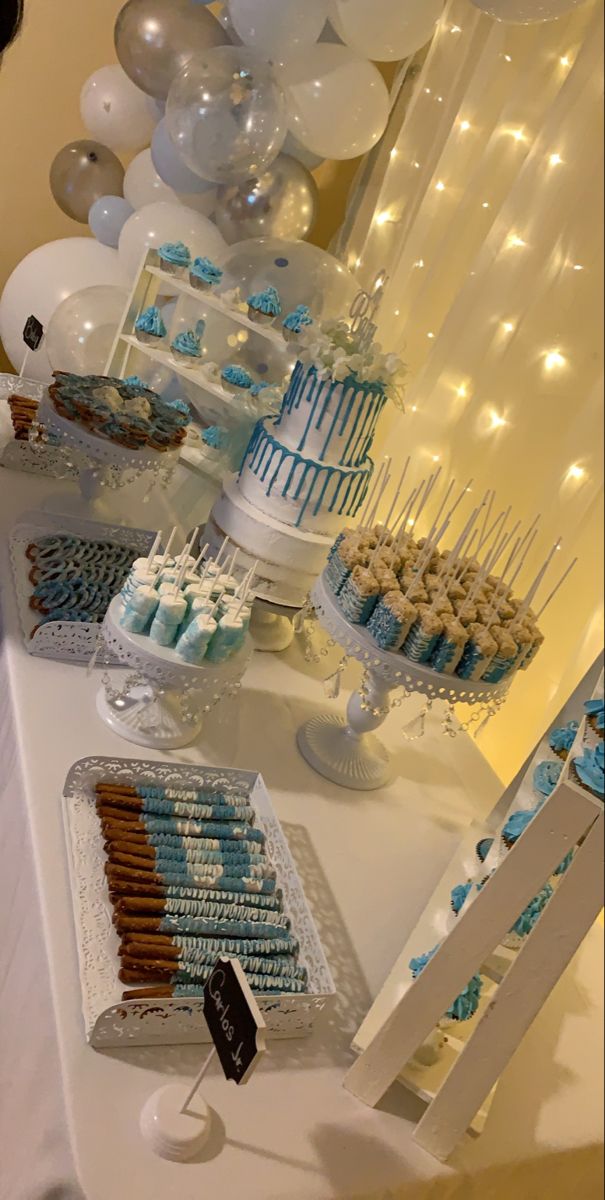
x=264, y=451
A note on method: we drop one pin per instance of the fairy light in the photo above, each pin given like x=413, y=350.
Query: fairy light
x=462, y=392
x=565, y=61
x=436, y=458
x=576, y=472
x=555, y=160
x=394, y=152
x=416, y=165
x=439, y=99
x=397, y=312
x=553, y=360
x=382, y=218
x=508, y=326
x=427, y=91
x=465, y=126
x=414, y=408
x=455, y=29
x=485, y=204
x=517, y=135
x=578, y=267
x=507, y=58
x=430, y=335
x=515, y=241
x=419, y=264
x=440, y=186
x=497, y=421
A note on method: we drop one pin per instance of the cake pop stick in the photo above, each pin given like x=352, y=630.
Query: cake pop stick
x=200, y=556
x=440, y=510
x=523, y=560
x=404, y=517
x=221, y=551
x=383, y=487
x=372, y=493
x=154, y=549
x=167, y=551
x=556, y=589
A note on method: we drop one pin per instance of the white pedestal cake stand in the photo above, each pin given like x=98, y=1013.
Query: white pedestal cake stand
x=346, y=751
x=271, y=626
x=163, y=701
x=103, y=465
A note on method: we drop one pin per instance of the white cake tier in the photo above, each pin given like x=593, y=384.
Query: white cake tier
x=300, y=491
x=289, y=559
x=331, y=422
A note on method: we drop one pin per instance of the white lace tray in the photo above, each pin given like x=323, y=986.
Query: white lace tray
x=110, y=1021
x=67, y=641
x=35, y=457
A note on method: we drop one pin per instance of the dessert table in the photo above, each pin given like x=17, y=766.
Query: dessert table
x=368, y=863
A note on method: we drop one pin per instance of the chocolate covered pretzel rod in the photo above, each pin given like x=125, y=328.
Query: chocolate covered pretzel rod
x=173, y=847
x=149, y=906
x=188, y=863
x=200, y=927
x=199, y=805
x=215, y=830
x=201, y=877
x=258, y=983
x=135, y=830
x=123, y=885
x=159, y=942
x=133, y=954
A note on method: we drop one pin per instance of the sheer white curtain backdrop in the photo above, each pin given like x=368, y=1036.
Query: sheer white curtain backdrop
x=485, y=206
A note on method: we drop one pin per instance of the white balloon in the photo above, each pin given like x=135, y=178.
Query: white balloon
x=81, y=330
x=164, y=222
x=142, y=186
x=170, y=166
x=278, y=26
x=106, y=218
x=385, y=30
x=296, y=150
x=41, y=281
x=526, y=12
x=115, y=112
x=338, y=104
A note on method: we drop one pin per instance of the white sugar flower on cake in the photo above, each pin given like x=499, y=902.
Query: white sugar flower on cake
x=334, y=350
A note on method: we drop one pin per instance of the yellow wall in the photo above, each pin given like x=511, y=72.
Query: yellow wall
x=62, y=43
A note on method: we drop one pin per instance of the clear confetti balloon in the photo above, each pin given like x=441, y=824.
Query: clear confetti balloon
x=280, y=202
x=301, y=273
x=82, y=329
x=226, y=114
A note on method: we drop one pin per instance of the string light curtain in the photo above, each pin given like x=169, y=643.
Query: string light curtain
x=485, y=206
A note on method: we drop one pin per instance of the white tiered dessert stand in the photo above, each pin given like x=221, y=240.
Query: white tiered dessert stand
x=162, y=703
x=346, y=751
x=103, y=464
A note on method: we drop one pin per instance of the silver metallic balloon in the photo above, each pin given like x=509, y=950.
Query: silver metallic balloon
x=282, y=202
x=226, y=114
x=155, y=38
x=81, y=173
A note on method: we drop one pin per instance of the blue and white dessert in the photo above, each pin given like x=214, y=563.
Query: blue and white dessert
x=562, y=738
x=186, y=348
x=149, y=327
x=204, y=274
x=595, y=712
x=265, y=306
x=215, y=437
x=174, y=257
x=546, y=777
x=528, y=919
x=237, y=377
x=517, y=824
x=295, y=322
x=589, y=769
x=466, y=1004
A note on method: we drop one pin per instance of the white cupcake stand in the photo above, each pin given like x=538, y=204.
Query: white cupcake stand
x=102, y=465
x=162, y=702
x=346, y=751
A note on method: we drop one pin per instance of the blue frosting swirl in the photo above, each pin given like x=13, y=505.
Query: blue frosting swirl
x=150, y=321
x=187, y=343
x=134, y=381
x=517, y=824
x=546, y=776
x=205, y=269
x=530, y=915
x=459, y=896
x=591, y=769
x=267, y=302
x=257, y=388
x=215, y=436
x=466, y=1004
x=175, y=252
x=565, y=864
x=596, y=709
x=178, y=412
x=297, y=320
x=563, y=737
x=237, y=376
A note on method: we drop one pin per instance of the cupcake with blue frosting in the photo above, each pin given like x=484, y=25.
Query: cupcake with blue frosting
x=264, y=307
x=589, y=770
x=295, y=322
x=186, y=348
x=562, y=739
x=595, y=716
x=237, y=378
x=465, y=1005
x=149, y=327
x=528, y=919
x=204, y=274
x=174, y=257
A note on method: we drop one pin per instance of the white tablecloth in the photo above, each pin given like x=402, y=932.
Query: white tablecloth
x=69, y=1114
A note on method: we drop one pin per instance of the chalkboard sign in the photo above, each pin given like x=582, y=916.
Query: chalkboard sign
x=234, y=1020
x=33, y=332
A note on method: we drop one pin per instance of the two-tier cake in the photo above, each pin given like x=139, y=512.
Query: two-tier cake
x=308, y=469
